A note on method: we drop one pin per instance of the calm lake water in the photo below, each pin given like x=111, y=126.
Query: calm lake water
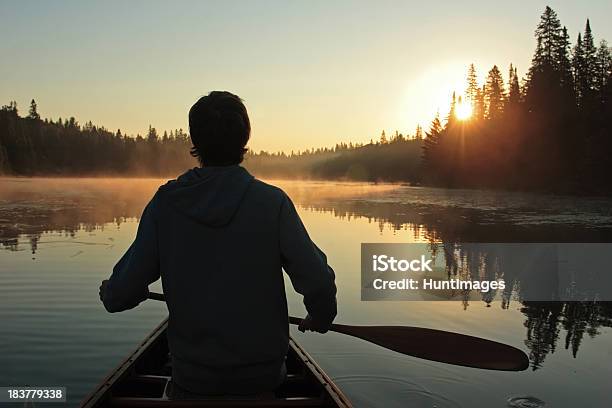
x=61, y=237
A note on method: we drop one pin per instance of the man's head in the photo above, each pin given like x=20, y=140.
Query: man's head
x=220, y=129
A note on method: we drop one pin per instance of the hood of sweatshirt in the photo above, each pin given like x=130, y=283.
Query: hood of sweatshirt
x=210, y=195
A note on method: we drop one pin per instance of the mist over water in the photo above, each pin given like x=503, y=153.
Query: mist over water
x=60, y=237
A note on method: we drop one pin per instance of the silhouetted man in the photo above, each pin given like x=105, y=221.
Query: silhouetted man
x=218, y=238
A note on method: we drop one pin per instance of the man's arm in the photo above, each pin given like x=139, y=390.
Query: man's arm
x=137, y=268
x=307, y=268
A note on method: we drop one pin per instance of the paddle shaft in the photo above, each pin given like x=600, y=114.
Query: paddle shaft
x=431, y=344
x=157, y=296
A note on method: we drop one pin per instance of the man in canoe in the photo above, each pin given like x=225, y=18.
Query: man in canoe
x=219, y=239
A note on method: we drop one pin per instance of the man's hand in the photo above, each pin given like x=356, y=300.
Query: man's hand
x=103, y=289
x=308, y=323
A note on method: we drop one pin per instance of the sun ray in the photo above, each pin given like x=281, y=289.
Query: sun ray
x=464, y=110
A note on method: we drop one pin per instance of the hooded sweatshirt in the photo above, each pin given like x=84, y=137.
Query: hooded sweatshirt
x=219, y=239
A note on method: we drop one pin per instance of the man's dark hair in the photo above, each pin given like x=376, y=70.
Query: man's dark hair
x=220, y=129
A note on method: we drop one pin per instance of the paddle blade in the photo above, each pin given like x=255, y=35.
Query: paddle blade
x=442, y=346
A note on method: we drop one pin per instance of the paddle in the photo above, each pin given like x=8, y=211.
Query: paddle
x=431, y=344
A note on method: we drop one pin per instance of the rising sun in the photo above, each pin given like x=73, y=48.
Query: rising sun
x=463, y=110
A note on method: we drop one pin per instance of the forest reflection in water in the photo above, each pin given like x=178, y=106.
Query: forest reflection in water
x=448, y=220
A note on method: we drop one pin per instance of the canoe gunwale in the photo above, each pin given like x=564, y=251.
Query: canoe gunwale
x=330, y=396
x=125, y=367
x=332, y=389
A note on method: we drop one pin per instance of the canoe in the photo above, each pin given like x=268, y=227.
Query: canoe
x=141, y=380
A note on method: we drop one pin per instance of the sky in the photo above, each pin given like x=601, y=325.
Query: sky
x=311, y=73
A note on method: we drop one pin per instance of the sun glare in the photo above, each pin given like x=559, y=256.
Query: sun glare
x=463, y=110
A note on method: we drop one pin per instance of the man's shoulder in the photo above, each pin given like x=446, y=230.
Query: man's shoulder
x=184, y=177
x=268, y=190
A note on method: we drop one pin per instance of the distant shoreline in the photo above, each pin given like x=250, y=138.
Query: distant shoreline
x=315, y=180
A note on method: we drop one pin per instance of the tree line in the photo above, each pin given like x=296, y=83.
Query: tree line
x=549, y=131
x=388, y=159
x=553, y=132
x=32, y=146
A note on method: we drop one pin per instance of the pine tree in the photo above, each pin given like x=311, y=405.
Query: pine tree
x=33, y=112
x=152, y=134
x=564, y=64
x=495, y=94
x=471, y=92
x=432, y=142
x=479, y=106
x=585, y=67
x=418, y=134
x=514, y=90
x=548, y=36
x=383, y=138
x=604, y=68
x=590, y=58
x=544, y=74
x=578, y=66
x=452, y=115
x=11, y=107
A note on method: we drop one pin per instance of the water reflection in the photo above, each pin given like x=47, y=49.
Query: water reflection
x=449, y=227
x=32, y=207
x=448, y=221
